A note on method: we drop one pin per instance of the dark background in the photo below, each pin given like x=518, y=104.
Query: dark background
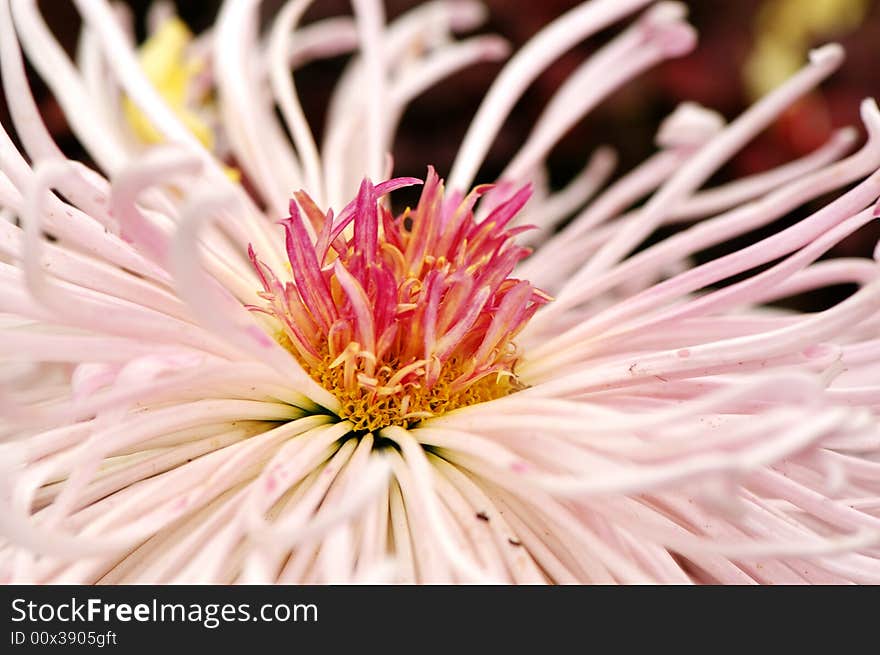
x=713, y=75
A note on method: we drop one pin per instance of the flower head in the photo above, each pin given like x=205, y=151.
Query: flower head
x=209, y=378
x=411, y=316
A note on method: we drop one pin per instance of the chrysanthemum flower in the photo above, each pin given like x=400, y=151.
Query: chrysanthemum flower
x=293, y=379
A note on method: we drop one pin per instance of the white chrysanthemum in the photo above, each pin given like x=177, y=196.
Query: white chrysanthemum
x=192, y=392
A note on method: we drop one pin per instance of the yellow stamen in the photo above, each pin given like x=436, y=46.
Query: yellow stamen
x=372, y=407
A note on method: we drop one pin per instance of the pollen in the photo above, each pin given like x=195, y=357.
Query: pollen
x=402, y=317
x=376, y=404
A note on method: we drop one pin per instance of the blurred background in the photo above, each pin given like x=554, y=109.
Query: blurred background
x=746, y=47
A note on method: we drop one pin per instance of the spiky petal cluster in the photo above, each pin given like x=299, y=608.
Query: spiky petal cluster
x=673, y=427
x=407, y=316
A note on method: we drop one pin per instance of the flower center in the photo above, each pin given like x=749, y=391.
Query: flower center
x=164, y=60
x=405, y=317
x=179, y=78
